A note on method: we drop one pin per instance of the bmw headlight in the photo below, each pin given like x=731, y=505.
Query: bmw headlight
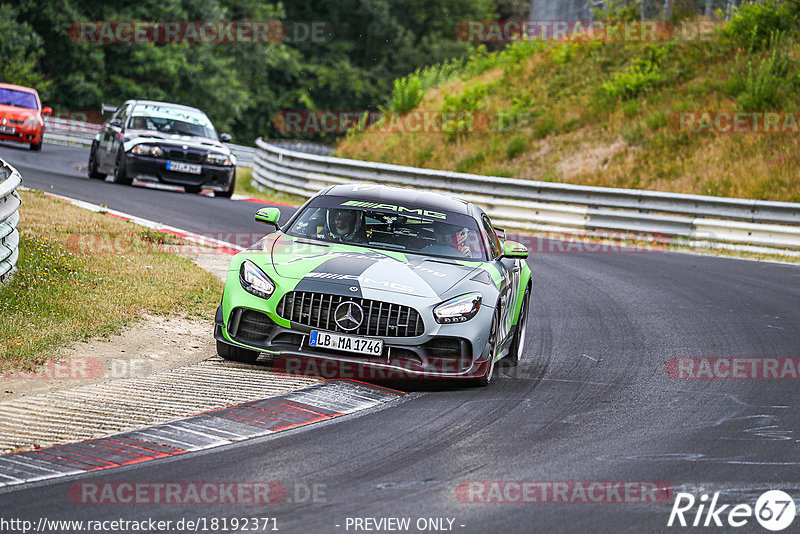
x=254, y=280
x=148, y=150
x=218, y=159
x=458, y=309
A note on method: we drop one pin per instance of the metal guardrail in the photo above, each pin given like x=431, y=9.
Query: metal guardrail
x=534, y=205
x=10, y=180
x=64, y=131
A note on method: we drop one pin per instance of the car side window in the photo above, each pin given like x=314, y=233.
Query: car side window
x=122, y=114
x=494, y=242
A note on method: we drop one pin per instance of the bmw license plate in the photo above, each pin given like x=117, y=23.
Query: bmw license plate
x=8, y=129
x=177, y=166
x=359, y=345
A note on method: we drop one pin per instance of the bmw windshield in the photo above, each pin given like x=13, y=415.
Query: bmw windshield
x=171, y=120
x=375, y=225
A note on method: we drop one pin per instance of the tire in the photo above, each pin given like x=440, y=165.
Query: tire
x=36, y=147
x=229, y=192
x=488, y=371
x=193, y=189
x=518, y=345
x=120, y=173
x=92, y=171
x=236, y=354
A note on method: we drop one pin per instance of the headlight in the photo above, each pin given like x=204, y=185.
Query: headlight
x=458, y=309
x=31, y=121
x=148, y=150
x=254, y=280
x=218, y=159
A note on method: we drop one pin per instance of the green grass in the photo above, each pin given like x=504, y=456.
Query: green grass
x=81, y=274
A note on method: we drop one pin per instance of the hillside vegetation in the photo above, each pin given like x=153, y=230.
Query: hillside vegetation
x=609, y=114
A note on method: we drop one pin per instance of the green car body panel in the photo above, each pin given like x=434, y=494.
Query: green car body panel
x=330, y=273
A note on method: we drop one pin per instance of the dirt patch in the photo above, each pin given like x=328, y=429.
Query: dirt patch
x=590, y=160
x=151, y=345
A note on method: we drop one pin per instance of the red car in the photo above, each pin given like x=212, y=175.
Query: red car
x=21, y=115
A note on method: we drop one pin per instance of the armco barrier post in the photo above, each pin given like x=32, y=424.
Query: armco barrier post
x=10, y=180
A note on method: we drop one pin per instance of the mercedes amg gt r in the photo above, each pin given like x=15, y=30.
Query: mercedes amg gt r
x=406, y=283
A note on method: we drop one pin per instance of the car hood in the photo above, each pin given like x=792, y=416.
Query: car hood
x=17, y=114
x=317, y=265
x=135, y=137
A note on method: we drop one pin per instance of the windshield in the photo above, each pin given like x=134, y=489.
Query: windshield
x=387, y=226
x=170, y=120
x=20, y=99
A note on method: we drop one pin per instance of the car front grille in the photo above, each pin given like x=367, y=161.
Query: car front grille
x=381, y=319
x=186, y=156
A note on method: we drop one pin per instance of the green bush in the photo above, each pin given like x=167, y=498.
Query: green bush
x=407, y=94
x=410, y=90
x=643, y=74
x=753, y=26
x=621, y=10
x=765, y=84
x=516, y=146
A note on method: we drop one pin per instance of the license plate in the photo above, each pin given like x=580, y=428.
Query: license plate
x=359, y=345
x=177, y=166
x=8, y=129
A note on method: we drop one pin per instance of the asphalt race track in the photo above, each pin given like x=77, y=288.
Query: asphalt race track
x=591, y=401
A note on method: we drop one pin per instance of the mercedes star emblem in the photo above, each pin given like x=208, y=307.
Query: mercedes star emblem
x=348, y=316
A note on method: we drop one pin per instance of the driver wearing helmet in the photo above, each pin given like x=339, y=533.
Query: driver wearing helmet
x=346, y=225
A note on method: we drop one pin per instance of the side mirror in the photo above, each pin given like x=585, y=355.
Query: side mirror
x=115, y=122
x=47, y=111
x=512, y=249
x=225, y=138
x=268, y=216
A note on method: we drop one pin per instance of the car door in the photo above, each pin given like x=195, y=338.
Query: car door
x=510, y=270
x=111, y=136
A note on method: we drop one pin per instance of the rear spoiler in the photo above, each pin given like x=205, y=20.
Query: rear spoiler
x=107, y=110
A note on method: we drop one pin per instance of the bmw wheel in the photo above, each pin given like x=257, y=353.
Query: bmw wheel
x=92, y=169
x=120, y=173
x=228, y=193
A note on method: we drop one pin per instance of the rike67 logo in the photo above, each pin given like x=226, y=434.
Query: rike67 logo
x=774, y=510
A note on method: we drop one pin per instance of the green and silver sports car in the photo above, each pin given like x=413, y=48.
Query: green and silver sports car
x=396, y=282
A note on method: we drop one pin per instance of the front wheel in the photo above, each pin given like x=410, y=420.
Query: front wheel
x=36, y=147
x=120, y=172
x=518, y=345
x=236, y=354
x=488, y=368
x=228, y=193
x=92, y=169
